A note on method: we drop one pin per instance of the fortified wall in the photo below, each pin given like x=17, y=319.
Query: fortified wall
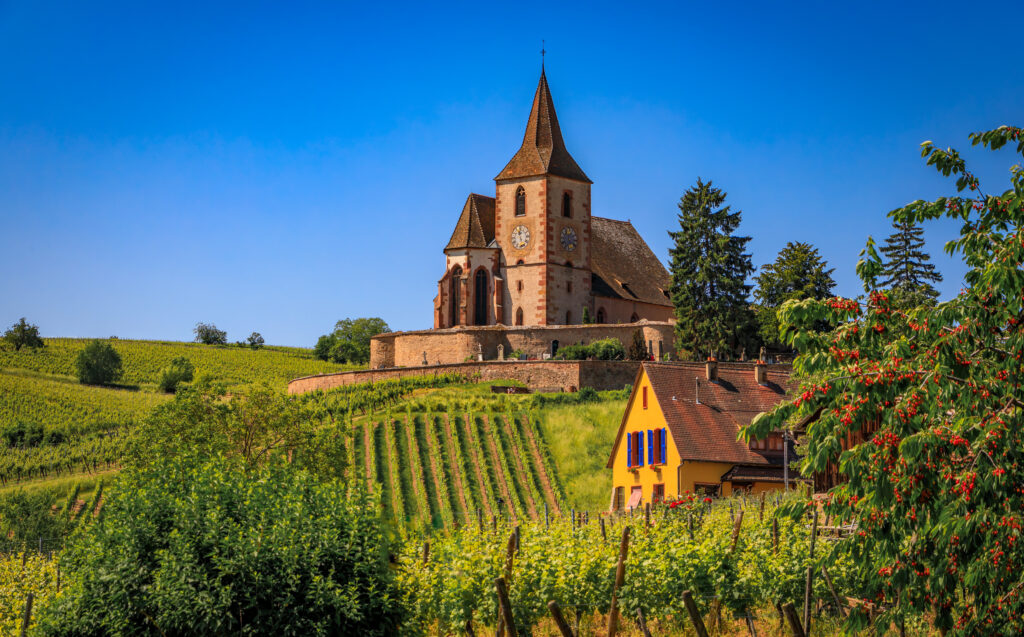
x=497, y=342
x=537, y=375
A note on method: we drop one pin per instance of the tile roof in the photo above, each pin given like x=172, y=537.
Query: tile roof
x=624, y=266
x=773, y=473
x=475, y=228
x=706, y=431
x=543, y=152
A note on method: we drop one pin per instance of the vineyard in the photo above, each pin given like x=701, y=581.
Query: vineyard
x=143, y=360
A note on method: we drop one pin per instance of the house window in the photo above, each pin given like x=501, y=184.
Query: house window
x=601, y=317
x=520, y=202
x=658, y=495
x=635, y=449
x=709, y=489
x=636, y=496
x=645, y=397
x=620, y=499
x=567, y=204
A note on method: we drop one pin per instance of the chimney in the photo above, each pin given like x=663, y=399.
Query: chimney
x=761, y=373
x=712, y=369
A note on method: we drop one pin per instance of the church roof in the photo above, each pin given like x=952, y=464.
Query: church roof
x=475, y=228
x=543, y=152
x=624, y=266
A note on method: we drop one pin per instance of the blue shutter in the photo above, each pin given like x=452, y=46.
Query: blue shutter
x=650, y=446
x=664, y=456
x=640, y=446
x=629, y=450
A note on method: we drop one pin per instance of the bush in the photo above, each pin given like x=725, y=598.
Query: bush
x=608, y=349
x=179, y=371
x=637, y=347
x=192, y=547
x=98, y=363
x=208, y=334
x=255, y=340
x=574, y=352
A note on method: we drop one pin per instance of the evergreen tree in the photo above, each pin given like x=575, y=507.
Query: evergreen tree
x=906, y=270
x=798, y=272
x=709, y=276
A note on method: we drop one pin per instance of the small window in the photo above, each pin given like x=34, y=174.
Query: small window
x=645, y=397
x=634, y=318
x=658, y=495
x=568, y=318
x=519, y=316
x=519, y=286
x=567, y=204
x=520, y=202
x=520, y=262
x=620, y=498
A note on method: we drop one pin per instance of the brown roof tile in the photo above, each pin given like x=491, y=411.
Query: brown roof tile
x=706, y=430
x=543, y=152
x=624, y=266
x=475, y=228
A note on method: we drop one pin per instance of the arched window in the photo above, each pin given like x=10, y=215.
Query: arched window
x=454, y=295
x=568, y=264
x=568, y=318
x=634, y=318
x=567, y=204
x=519, y=316
x=480, y=298
x=601, y=317
x=520, y=262
x=520, y=202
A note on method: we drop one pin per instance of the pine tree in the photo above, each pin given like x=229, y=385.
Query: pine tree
x=709, y=276
x=906, y=270
x=637, y=347
x=798, y=272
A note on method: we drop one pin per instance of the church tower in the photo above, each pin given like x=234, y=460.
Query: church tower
x=542, y=225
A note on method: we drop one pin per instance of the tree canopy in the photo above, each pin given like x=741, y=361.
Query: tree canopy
x=798, y=272
x=709, y=276
x=23, y=334
x=208, y=334
x=905, y=268
x=349, y=342
x=935, y=490
x=98, y=364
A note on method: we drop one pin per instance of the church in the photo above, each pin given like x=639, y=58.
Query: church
x=534, y=254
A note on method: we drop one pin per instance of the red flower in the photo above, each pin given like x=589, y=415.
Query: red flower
x=707, y=500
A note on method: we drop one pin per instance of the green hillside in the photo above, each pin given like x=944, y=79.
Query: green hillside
x=143, y=360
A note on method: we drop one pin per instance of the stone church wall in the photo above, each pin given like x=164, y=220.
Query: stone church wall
x=455, y=345
x=537, y=375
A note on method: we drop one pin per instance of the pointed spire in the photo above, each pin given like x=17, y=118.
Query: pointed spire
x=543, y=152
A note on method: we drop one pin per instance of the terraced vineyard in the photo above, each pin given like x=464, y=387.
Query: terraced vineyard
x=439, y=470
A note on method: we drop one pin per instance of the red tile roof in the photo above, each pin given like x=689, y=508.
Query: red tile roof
x=623, y=265
x=704, y=417
x=543, y=151
x=475, y=228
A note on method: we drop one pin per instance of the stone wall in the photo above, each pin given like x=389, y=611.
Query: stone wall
x=455, y=345
x=537, y=375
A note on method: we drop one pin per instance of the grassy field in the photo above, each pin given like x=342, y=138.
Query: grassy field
x=143, y=360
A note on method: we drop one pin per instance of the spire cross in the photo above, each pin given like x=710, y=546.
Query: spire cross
x=542, y=52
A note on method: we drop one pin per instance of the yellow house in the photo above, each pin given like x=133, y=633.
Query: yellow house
x=678, y=433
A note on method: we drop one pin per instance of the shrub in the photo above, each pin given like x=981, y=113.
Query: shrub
x=208, y=334
x=179, y=371
x=98, y=363
x=574, y=352
x=192, y=547
x=23, y=434
x=608, y=349
x=255, y=340
x=637, y=347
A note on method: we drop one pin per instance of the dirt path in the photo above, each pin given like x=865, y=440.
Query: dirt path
x=499, y=473
x=471, y=453
x=368, y=448
x=538, y=462
x=517, y=465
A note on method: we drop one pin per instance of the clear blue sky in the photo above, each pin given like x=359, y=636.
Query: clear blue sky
x=279, y=166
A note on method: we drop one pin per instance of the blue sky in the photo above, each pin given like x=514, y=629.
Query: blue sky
x=279, y=166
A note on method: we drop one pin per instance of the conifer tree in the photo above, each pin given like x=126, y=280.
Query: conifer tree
x=709, y=276
x=906, y=270
x=798, y=273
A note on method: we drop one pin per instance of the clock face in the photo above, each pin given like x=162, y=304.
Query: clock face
x=520, y=237
x=568, y=239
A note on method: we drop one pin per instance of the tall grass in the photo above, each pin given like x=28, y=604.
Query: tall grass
x=580, y=439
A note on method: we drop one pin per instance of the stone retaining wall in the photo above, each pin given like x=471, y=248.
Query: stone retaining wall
x=537, y=375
